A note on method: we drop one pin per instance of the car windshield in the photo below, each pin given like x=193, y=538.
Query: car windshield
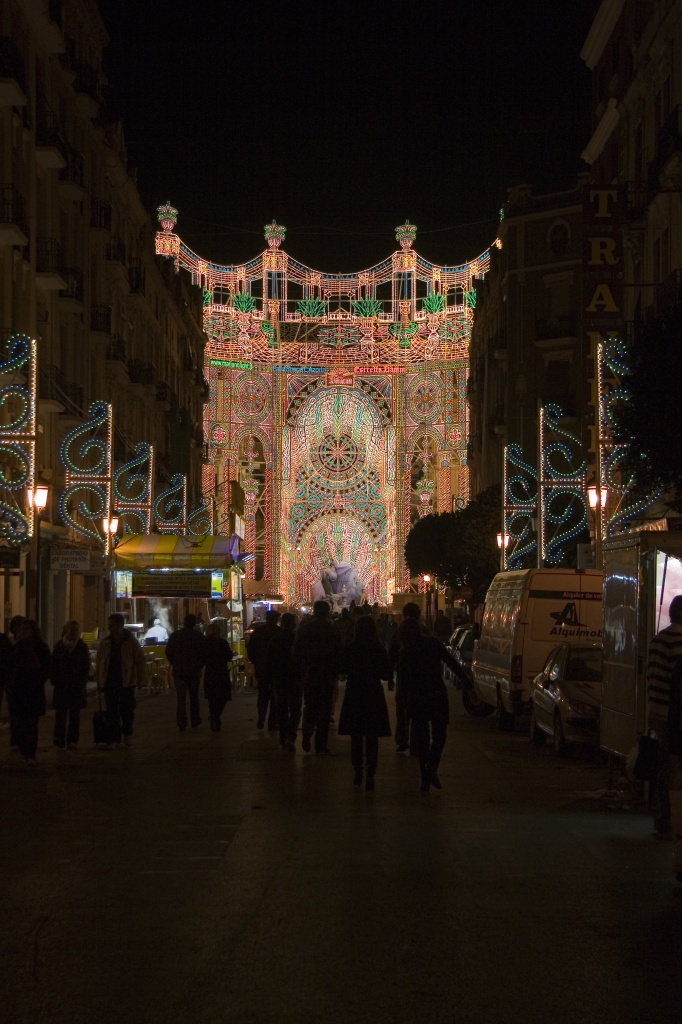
x=584, y=666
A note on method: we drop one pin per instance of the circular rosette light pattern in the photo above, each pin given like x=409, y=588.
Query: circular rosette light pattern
x=425, y=399
x=251, y=397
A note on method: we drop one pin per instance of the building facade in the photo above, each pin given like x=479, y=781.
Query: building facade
x=95, y=329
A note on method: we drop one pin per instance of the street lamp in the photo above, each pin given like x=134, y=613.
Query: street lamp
x=503, y=544
x=37, y=500
x=427, y=580
x=597, y=498
x=110, y=526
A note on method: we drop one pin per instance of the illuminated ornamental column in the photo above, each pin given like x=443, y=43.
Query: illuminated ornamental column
x=251, y=488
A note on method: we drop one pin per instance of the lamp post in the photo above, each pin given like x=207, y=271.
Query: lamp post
x=37, y=499
x=503, y=544
x=427, y=581
x=597, y=498
x=110, y=526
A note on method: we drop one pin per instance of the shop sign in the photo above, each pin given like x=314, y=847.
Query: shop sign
x=76, y=560
x=299, y=369
x=174, y=583
x=603, y=214
x=217, y=586
x=231, y=364
x=364, y=370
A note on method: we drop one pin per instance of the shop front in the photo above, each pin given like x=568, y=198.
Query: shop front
x=160, y=578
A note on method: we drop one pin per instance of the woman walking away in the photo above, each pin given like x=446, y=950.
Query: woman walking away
x=217, y=680
x=364, y=715
x=27, y=690
x=285, y=674
x=70, y=671
x=419, y=669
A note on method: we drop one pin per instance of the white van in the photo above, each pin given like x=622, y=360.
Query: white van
x=526, y=613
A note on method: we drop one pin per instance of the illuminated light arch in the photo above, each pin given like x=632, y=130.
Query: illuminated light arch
x=390, y=343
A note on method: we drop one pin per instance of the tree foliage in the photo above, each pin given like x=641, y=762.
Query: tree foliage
x=647, y=421
x=460, y=548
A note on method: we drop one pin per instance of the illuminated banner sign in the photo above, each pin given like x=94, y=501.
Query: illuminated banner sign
x=299, y=369
x=378, y=369
x=603, y=214
x=231, y=364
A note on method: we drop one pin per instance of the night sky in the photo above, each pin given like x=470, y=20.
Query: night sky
x=342, y=118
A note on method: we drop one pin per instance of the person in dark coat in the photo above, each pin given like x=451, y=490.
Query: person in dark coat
x=31, y=669
x=217, y=680
x=285, y=675
x=316, y=649
x=5, y=666
x=70, y=671
x=257, y=650
x=185, y=652
x=364, y=715
x=403, y=738
x=12, y=636
x=426, y=699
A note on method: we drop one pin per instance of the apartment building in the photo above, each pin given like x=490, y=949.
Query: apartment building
x=112, y=322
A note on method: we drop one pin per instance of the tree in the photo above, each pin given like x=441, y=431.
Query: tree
x=646, y=421
x=460, y=548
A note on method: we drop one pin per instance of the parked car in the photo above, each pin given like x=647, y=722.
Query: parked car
x=566, y=697
x=451, y=646
x=462, y=649
x=527, y=612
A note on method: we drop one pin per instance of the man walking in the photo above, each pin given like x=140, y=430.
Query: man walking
x=411, y=610
x=257, y=650
x=119, y=670
x=186, y=653
x=316, y=649
x=664, y=651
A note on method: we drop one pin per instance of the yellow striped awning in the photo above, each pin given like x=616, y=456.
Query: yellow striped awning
x=167, y=551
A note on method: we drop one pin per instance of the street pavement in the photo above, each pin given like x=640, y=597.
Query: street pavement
x=204, y=877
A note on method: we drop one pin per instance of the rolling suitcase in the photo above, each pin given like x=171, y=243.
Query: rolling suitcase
x=100, y=725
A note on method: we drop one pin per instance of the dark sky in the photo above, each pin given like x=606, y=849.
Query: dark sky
x=342, y=118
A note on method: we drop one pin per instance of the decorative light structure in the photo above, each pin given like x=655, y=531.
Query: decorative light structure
x=169, y=508
x=331, y=396
x=562, y=508
x=520, y=501
x=132, y=487
x=86, y=456
x=18, y=391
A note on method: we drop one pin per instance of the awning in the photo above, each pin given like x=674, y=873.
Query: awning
x=167, y=551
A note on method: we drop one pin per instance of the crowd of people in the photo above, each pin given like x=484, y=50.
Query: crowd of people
x=296, y=665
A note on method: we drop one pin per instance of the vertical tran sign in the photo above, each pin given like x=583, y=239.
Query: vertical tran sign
x=603, y=210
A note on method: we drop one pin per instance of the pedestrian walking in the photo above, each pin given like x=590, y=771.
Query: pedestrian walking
x=186, y=653
x=217, y=679
x=674, y=745
x=426, y=699
x=316, y=649
x=411, y=610
x=15, y=624
x=441, y=627
x=120, y=670
x=69, y=677
x=285, y=675
x=30, y=671
x=364, y=715
x=257, y=650
x=664, y=651
x=5, y=668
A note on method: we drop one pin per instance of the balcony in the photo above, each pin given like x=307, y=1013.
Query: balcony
x=72, y=293
x=100, y=319
x=142, y=373
x=117, y=264
x=12, y=80
x=71, y=177
x=137, y=278
x=669, y=293
x=100, y=215
x=50, y=266
x=555, y=328
x=52, y=151
x=665, y=168
x=13, y=222
x=86, y=86
x=56, y=395
x=116, y=350
x=163, y=394
x=46, y=21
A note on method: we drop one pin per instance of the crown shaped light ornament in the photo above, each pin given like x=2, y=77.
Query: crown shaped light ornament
x=406, y=234
x=168, y=216
x=274, y=234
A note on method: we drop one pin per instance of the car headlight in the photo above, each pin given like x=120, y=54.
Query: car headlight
x=580, y=708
